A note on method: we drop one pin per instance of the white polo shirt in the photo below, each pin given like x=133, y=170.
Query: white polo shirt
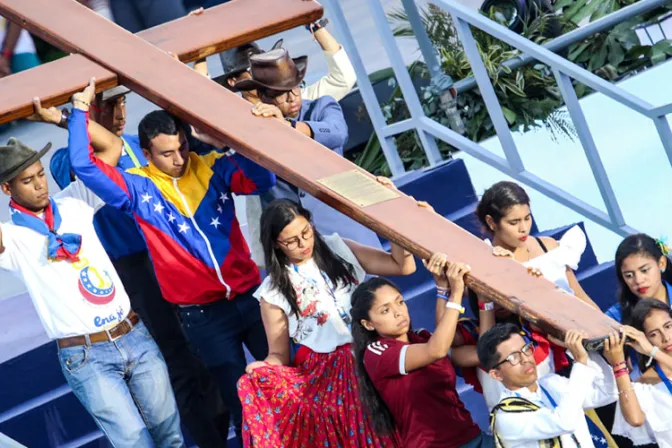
x=70, y=298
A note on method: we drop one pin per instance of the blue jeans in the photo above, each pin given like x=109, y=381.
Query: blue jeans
x=124, y=385
x=217, y=332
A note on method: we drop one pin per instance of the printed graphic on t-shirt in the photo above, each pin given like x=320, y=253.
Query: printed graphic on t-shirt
x=98, y=290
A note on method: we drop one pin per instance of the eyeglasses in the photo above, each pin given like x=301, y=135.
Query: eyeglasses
x=280, y=97
x=516, y=358
x=294, y=242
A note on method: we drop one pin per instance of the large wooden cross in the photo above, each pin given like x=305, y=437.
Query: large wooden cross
x=102, y=49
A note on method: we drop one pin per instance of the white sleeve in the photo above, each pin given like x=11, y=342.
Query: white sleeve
x=8, y=260
x=547, y=423
x=604, y=390
x=338, y=82
x=272, y=296
x=571, y=246
x=253, y=214
x=657, y=407
x=77, y=190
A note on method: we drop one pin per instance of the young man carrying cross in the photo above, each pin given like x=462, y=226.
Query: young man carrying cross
x=108, y=357
x=545, y=412
x=183, y=207
x=197, y=395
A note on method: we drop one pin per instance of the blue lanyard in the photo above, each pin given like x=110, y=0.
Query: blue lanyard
x=555, y=405
x=341, y=312
x=663, y=377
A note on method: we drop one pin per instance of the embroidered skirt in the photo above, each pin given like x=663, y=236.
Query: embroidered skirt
x=313, y=405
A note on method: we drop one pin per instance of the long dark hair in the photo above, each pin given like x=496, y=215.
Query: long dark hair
x=497, y=200
x=274, y=219
x=637, y=244
x=640, y=312
x=374, y=406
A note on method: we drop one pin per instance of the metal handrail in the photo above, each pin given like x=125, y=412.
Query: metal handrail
x=563, y=70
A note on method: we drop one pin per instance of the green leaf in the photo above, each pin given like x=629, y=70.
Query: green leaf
x=616, y=54
x=509, y=115
x=574, y=54
x=562, y=3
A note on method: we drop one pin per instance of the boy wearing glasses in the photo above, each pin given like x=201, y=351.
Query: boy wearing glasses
x=542, y=412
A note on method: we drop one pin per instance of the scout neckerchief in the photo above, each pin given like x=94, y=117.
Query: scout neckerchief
x=59, y=247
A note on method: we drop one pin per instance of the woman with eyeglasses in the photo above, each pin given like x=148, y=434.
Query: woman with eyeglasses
x=407, y=380
x=313, y=401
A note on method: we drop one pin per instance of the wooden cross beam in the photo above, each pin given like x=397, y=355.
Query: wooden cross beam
x=152, y=73
x=190, y=38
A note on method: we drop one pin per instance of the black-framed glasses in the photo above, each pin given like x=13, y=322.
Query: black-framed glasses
x=516, y=358
x=282, y=97
x=294, y=242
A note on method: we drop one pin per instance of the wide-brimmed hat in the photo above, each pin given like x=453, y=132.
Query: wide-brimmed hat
x=237, y=60
x=114, y=92
x=274, y=70
x=16, y=157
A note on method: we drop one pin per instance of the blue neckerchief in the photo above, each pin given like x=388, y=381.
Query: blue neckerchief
x=59, y=247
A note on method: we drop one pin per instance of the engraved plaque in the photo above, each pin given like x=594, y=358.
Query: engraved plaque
x=358, y=188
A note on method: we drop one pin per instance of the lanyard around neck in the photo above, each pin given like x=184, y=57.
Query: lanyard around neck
x=663, y=377
x=555, y=405
x=131, y=154
x=341, y=311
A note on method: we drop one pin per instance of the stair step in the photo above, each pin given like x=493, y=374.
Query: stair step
x=601, y=284
x=19, y=376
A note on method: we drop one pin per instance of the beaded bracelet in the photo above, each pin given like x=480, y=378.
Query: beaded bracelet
x=619, y=373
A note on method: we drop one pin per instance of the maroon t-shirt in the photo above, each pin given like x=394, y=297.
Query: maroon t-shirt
x=424, y=403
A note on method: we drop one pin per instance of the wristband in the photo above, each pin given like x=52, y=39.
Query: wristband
x=619, y=364
x=488, y=306
x=442, y=290
x=81, y=101
x=442, y=296
x=621, y=372
x=312, y=27
x=65, y=116
x=651, y=355
x=455, y=306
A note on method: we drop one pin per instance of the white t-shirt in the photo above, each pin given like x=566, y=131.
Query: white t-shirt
x=70, y=298
x=588, y=387
x=553, y=264
x=320, y=327
x=656, y=403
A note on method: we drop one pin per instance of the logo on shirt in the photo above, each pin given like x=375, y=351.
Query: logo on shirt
x=378, y=348
x=96, y=287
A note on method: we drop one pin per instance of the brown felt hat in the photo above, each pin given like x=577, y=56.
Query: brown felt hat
x=16, y=157
x=274, y=70
x=237, y=60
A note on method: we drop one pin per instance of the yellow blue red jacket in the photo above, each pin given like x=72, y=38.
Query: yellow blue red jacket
x=189, y=223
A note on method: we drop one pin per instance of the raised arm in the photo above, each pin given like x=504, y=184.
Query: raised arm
x=341, y=77
x=106, y=145
x=421, y=355
x=378, y=262
x=105, y=181
x=627, y=399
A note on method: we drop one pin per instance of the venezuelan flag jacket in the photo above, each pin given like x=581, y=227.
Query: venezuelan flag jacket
x=189, y=224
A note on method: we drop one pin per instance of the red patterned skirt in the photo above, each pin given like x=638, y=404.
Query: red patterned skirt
x=313, y=405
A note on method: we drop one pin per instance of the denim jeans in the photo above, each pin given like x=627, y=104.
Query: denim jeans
x=217, y=333
x=199, y=402
x=124, y=385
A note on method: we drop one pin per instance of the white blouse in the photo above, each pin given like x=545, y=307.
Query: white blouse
x=320, y=326
x=553, y=264
x=656, y=403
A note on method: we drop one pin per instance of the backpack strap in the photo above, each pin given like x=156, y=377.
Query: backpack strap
x=518, y=405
